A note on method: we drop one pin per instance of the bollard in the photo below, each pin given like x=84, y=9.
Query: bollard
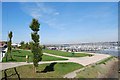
x=27, y=58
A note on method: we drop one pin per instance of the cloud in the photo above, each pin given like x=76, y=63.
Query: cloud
x=38, y=10
x=46, y=13
x=54, y=23
x=57, y=13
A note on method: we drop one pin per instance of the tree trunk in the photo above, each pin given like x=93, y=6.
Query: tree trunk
x=11, y=56
x=34, y=69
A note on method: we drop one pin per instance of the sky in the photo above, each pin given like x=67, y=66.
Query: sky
x=61, y=22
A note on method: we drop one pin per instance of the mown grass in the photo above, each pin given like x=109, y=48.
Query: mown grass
x=20, y=56
x=66, y=54
x=60, y=69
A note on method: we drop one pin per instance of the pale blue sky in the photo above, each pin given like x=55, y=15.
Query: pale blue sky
x=62, y=22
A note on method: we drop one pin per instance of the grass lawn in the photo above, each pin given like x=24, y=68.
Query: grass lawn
x=20, y=56
x=59, y=70
x=66, y=54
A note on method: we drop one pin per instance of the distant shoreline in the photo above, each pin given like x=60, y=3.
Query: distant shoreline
x=109, y=52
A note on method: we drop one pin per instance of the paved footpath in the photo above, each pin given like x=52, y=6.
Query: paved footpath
x=8, y=65
x=73, y=74
x=80, y=60
x=84, y=60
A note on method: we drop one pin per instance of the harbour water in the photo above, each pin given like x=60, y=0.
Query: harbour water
x=113, y=52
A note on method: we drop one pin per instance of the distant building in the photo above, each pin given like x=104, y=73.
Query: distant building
x=16, y=45
x=3, y=43
x=52, y=48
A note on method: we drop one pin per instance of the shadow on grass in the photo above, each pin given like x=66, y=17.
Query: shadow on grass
x=19, y=56
x=6, y=76
x=48, y=68
x=12, y=60
x=16, y=51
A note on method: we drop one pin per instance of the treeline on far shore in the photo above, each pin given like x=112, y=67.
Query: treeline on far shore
x=27, y=45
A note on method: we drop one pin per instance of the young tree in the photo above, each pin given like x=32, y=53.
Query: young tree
x=30, y=45
x=44, y=47
x=9, y=45
x=22, y=43
x=27, y=45
x=36, y=49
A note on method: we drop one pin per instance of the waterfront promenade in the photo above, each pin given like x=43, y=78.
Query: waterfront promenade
x=80, y=60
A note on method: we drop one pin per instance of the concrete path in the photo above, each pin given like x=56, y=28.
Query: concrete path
x=73, y=74
x=8, y=65
x=56, y=56
x=84, y=60
x=80, y=60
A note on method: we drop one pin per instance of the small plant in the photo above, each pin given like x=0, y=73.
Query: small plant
x=92, y=66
